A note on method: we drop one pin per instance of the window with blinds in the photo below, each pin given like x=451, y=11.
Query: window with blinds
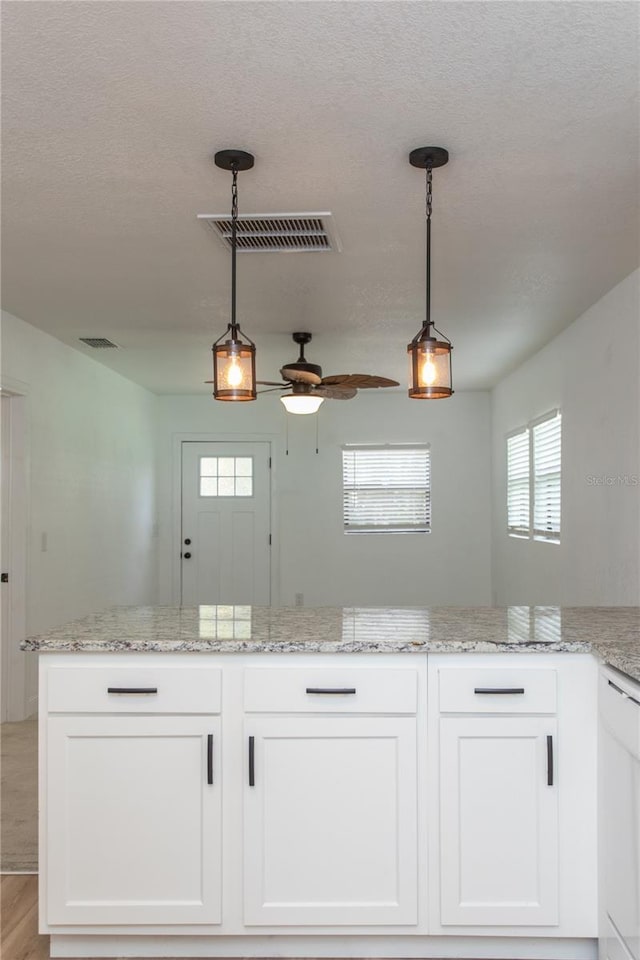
x=534, y=479
x=518, y=484
x=546, y=442
x=386, y=489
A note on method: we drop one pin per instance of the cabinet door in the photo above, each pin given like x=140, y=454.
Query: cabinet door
x=498, y=821
x=330, y=823
x=134, y=825
x=620, y=824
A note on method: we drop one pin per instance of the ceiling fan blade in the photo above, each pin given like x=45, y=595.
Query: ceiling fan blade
x=362, y=381
x=282, y=386
x=338, y=392
x=267, y=383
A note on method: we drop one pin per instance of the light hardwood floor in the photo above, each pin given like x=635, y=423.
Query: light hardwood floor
x=19, y=938
x=19, y=796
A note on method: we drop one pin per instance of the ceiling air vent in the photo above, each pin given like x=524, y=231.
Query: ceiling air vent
x=276, y=232
x=99, y=343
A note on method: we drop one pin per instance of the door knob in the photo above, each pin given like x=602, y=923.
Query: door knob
x=187, y=556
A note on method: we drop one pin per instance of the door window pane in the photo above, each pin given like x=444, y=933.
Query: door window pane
x=226, y=476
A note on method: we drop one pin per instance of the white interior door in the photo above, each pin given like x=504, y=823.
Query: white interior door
x=226, y=523
x=18, y=694
x=5, y=596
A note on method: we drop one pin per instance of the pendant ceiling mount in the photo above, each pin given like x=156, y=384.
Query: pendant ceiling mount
x=429, y=355
x=234, y=160
x=429, y=156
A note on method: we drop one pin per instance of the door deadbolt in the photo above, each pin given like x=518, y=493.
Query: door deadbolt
x=188, y=541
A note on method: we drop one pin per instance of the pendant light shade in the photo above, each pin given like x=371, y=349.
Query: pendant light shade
x=234, y=367
x=430, y=350
x=429, y=368
x=234, y=353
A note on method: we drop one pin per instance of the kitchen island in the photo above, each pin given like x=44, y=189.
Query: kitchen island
x=411, y=782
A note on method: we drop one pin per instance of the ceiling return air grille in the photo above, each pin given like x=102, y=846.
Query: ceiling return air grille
x=277, y=232
x=99, y=343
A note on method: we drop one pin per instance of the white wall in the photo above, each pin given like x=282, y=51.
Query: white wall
x=592, y=372
x=91, y=476
x=449, y=566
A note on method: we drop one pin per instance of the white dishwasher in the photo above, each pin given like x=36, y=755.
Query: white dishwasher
x=619, y=787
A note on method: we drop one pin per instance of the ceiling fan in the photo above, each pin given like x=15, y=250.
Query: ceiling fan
x=309, y=388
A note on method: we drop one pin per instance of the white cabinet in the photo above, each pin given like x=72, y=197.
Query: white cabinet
x=499, y=820
x=512, y=822
x=330, y=821
x=385, y=795
x=619, y=816
x=133, y=820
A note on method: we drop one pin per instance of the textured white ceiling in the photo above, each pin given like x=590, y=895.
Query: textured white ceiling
x=112, y=112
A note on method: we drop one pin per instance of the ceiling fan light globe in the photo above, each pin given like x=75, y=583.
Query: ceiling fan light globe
x=301, y=403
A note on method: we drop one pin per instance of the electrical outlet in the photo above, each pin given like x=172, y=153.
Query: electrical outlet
x=299, y=599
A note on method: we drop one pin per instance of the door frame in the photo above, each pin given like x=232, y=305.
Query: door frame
x=18, y=699
x=176, y=496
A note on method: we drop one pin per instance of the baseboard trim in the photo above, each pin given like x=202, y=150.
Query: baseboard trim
x=412, y=948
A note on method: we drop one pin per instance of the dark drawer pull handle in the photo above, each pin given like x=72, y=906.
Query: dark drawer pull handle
x=499, y=690
x=331, y=689
x=132, y=689
x=549, y=761
x=210, y=759
x=252, y=761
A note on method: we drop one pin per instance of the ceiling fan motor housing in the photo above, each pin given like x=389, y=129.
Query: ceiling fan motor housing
x=302, y=371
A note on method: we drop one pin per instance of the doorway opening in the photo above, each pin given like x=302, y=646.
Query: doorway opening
x=18, y=673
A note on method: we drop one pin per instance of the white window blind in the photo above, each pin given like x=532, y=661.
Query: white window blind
x=547, y=442
x=518, y=484
x=534, y=479
x=386, y=489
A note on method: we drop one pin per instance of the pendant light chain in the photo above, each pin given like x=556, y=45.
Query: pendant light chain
x=429, y=352
x=234, y=243
x=429, y=210
x=234, y=353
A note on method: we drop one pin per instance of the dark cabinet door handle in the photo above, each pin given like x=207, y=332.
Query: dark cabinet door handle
x=210, y=759
x=549, y=761
x=331, y=689
x=499, y=690
x=252, y=761
x=132, y=689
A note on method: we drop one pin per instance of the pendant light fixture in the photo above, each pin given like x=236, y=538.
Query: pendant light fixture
x=234, y=353
x=429, y=355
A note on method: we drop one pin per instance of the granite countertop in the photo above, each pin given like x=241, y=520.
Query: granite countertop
x=613, y=633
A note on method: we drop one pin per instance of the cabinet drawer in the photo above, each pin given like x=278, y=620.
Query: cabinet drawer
x=620, y=710
x=117, y=689
x=319, y=690
x=499, y=690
